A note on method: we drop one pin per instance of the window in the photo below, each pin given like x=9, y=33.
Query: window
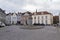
x=42, y=19
x=46, y=21
x=46, y=17
x=34, y=17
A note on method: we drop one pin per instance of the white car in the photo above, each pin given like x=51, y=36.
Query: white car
x=2, y=24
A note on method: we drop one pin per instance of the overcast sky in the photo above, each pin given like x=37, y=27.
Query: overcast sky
x=30, y=5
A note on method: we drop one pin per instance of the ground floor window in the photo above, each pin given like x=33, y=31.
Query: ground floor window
x=18, y=22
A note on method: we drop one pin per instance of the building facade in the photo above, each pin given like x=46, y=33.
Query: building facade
x=14, y=18
x=8, y=18
x=19, y=15
x=2, y=15
x=11, y=18
x=26, y=18
x=43, y=17
x=59, y=19
x=55, y=19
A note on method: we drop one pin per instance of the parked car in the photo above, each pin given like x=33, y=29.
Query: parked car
x=2, y=24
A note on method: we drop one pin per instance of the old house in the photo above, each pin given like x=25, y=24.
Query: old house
x=2, y=15
x=19, y=15
x=26, y=18
x=11, y=18
x=42, y=17
x=55, y=19
x=8, y=19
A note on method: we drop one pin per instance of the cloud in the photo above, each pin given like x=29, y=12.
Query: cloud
x=32, y=5
x=29, y=5
x=10, y=6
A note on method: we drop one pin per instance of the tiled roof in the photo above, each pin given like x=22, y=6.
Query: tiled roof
x=42, y=13
x=10, y=14
x=27, y=13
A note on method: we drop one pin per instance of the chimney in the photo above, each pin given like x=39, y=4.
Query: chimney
x=36, y=10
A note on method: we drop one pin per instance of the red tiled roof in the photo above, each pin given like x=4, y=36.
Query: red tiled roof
x=42, y=13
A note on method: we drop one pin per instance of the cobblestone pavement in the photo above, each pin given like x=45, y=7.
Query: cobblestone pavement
x=15, y=33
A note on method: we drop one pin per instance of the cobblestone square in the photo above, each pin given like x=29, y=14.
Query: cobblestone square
x=14, y=32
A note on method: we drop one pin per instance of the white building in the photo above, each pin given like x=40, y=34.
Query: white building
x=42, y=18
x=19, y=18
x=14, y=18
x=11, y=18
